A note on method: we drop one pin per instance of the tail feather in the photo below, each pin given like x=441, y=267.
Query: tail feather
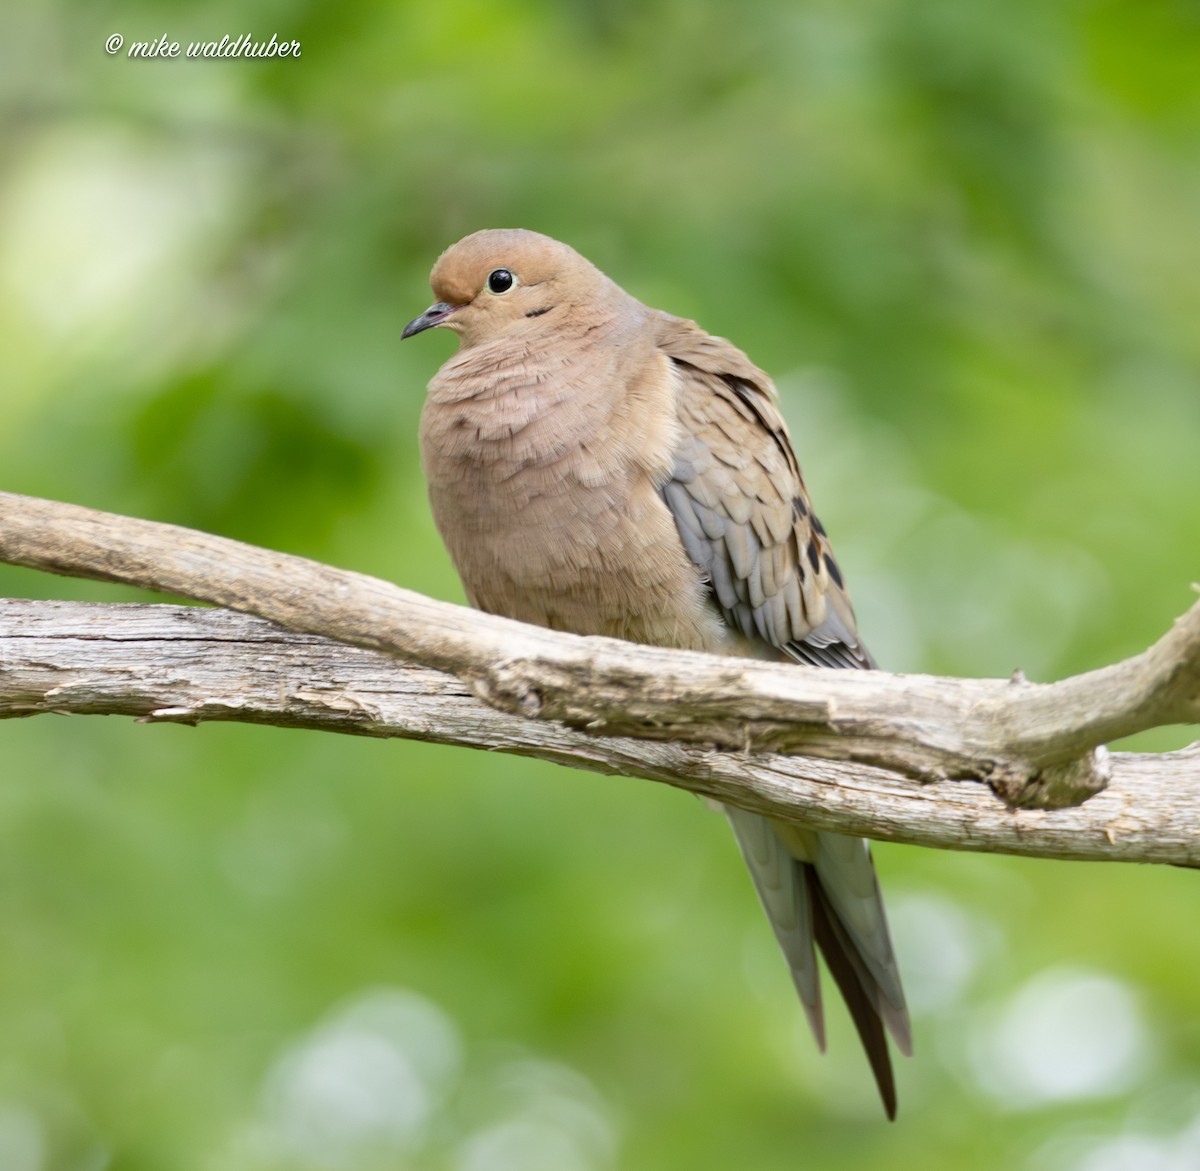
x=785, y=898
x=848, y=882
x=847, y=970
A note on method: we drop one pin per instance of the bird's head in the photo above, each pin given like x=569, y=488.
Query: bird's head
x=498, y=281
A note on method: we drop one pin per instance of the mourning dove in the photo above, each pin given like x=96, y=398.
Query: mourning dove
x=601, y=467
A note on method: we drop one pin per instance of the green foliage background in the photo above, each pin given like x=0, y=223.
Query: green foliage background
x=964, y=239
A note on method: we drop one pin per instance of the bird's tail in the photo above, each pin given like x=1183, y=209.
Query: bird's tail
x=820, y=889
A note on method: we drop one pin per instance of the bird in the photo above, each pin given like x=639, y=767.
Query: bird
x=598, y=466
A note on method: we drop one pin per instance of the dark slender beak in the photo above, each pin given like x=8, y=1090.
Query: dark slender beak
x=434, y=315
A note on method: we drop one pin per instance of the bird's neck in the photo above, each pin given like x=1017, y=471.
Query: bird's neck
x=532, y=401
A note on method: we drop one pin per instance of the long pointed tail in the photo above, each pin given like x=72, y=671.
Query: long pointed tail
x=821, y=889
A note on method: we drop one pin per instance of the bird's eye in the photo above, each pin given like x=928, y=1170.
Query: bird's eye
x=500, y=280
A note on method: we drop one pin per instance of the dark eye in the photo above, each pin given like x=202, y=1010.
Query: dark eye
x=500, y=280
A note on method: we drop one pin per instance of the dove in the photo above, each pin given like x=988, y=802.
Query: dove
x=601, y=467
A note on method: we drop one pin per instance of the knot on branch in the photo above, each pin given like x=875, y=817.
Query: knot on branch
x=1055, y=786
x=506, y=685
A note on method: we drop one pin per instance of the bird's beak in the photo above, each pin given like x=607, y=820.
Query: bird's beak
x=434, y=315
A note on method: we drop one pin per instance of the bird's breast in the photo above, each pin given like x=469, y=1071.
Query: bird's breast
x=553, y=516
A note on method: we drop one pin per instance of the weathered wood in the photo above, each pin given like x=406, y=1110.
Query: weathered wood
x=188, y=664
x=1032, y=745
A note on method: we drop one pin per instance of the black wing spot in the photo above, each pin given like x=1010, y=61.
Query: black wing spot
x=799, y=508
x=819, y=526
x=814, y=555
x=834, y=572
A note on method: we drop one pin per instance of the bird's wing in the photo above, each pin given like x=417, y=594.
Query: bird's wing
x=744, y=517
x=743, y=511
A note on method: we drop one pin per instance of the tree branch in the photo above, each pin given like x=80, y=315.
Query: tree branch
x=184, y=664
x=866, y=734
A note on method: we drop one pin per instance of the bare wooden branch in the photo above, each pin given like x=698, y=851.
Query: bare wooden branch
x=1033, y=744
x=184, y=664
